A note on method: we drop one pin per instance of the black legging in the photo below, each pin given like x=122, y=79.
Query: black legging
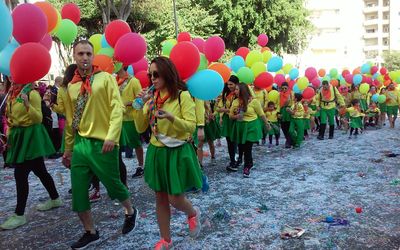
x=352, y=130
x=247, y=149
x=231, y=149
x=21, y=174
x=122, y=173
x=285, y=128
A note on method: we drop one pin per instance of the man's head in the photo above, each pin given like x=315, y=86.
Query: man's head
x=325, y=85
x=83, y=54
x=58, y=81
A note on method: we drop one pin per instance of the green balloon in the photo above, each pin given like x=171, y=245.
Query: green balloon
x=203, y=62
x=381, y=98
x=67, y=32
x=245, y=75
x=333, y=73
x=166, y=48
x=117, y=67
x=106, y=51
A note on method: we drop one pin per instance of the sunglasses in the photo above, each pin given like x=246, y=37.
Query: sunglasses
x=154, y=75
x=284, y=88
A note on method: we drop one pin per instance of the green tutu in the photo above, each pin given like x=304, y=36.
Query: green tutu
x=275, y=129
x=28, y=143
x=227, y=125
x=307, y=124
x=356, y=122
x=383, y=107
x=243, y=131
x=172, y=170
x=129, y=135
x=314, y=108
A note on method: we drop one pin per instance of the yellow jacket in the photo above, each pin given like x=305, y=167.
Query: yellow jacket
x=200, y=112
x=129, y=92
x=392, y=97
x=357, y=95
x=61, y=99
x=308, y=113
x=20, y=116
x=329, y=104
x=272, y=116
x=373, y=111
x=298, y=110
x=354, y=112
x=253, y=111
x=262, y=97
x=226, y=105
x=103, y=114
x=184, y=123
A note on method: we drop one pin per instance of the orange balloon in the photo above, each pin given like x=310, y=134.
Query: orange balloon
x=387, y=82
x=357, y=71
x=265, y=49
x=334, y=82
x=105, y=63
x=269, y=88
x=50, y=13
x=222, y=69
x=321, y=72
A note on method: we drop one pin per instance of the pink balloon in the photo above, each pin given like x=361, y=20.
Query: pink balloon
x=308, y=93
x=214, y=48
x=262, y=40
x=291, y=83
x=47, y=41
x=140, y=65
x=374, y=69
x=368, y=80
x=279, y=79
x=316, y=82
x=375, y=83
x=349, y=78
x=199, y=42
x=184, y=37
x=130, y=48
x=243, y=51
x=311, y=73
x=72, y=12
x=30, y=23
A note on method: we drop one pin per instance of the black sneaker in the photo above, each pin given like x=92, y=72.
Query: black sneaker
x=130, y=222
x=139, y=173
x=246, y=172
x=86, y=240
x=232, y=167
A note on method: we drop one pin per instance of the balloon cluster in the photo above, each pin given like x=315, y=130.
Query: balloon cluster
x=25, y=40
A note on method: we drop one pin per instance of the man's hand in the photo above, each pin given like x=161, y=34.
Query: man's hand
x=66, y=159
x=108, y=146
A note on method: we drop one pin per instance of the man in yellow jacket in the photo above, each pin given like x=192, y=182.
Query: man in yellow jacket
x=94, y=112
x=327, y=100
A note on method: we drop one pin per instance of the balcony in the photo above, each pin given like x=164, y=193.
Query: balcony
x=371, y=22
x=385, y=34
x=371, y=9
x=385, y=21
x=371, y=47
x=370, y=35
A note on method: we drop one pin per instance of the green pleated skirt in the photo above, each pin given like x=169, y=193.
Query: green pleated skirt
x=227, y=125
x=172, y=170
x=383, y=107
x=264, y=129
x=356, y=122
x=212, y=130
x=307, y=124
x=275, y=129
x=129, y=135
x=244, y=131
x=28, y=143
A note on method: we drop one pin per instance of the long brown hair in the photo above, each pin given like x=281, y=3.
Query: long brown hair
x=68, y=74
x=244, y=95
x=167, y=71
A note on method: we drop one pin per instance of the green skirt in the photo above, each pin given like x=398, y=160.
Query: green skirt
x=129, y=135
x=264, y=129
x=28, y=143
x=243, y=131
x=172, y=170
x=356, y=122
x=314, y=108
x=383, y=107
x=307, y=124
x=212, y=131
x=363, y=104
x=275, y=129
x=227, y=125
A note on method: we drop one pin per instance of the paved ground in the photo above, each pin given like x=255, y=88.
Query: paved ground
x=287, y=187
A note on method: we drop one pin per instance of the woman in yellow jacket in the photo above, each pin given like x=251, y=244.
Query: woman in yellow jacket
x=171, y=165
x=246, y=129
x=296, y=129
x=28, y=143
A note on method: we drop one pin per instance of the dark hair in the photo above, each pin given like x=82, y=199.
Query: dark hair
x=298, y=97
x=226, y=89
x=284, y=84
x=234, y=79
x=7, y=83
x=380, y=92
x=82, y=42
x=68, y=74
x=354, y=102
x=167, y=70
x=270, y=104
x=244, y=94
x=126, y=68
x=325, y=82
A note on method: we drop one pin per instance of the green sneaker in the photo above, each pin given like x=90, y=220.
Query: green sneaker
x=13, y=222
x=49, y=204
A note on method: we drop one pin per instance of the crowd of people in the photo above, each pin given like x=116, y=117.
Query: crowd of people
x=88, y=118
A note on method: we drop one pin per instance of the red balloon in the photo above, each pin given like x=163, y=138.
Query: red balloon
x=308, y=93
x=186, y=58
x=311, y=73
x=345, y=72
x=243, y=51
x=199, y=42
x=143, y=78
x=316, y=82
x=291, y=84
x=30, y=23
x=383, y=71
x=184, y=37
x=214, y=48
x=141, y=65
x=279, y=79
x=130, y=48
x=348, y=78
x=262, y=40
x=115, y=30
x=374, y=69
x=30, y=62
x=47, y=41
x=72, y=12
x=264, y=80
x=104, y=62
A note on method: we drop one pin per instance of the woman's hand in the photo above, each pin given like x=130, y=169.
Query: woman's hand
x=145, y=95
x=162, y=114
x=24, y=97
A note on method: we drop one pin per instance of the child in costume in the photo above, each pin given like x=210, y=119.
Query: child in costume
x=372, y=117
x=297, y=125
x=308, y=113
x=392, y=103
x=383, y=108
x=262, y=97
x=286, y=100
x=356, y=116
x=273, y=117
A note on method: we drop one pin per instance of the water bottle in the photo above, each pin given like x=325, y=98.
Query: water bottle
x=138, y=103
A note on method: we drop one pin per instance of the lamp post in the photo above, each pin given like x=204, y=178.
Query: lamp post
x=176, y=20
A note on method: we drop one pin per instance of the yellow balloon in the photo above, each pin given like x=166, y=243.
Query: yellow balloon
x=54, y=31
x=287, y=67
x=253, y=57
x=302, y=83
x=364, y=88
x=258, y=68
x=266, y=56
x=280, y=72
x=96, y=41
x=273, y=96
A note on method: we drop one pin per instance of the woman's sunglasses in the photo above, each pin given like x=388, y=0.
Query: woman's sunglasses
x=154, y=75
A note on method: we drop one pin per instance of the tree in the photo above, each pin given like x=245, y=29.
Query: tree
x=121, y=9
x=392, y=60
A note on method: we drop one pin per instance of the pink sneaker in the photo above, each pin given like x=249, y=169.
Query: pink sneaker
x=195, y=224
x=163, y=245
x=94, y=196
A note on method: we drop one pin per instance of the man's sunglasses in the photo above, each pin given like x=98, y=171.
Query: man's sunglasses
x=154, y=75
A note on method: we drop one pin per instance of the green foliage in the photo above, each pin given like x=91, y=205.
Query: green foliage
x=392, y=60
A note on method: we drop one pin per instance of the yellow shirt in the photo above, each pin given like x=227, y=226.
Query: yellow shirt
x=392, y=97
x=226, y=105
x=129, y=92
x=61, y=99
x=373, y=111
x=184, y=123
x=272, y=116
x=262, y=97
x=354, y=112
x=200, y=112
x=103, y=114
x=20, y=116
x=308, y=113
x=347, y=99
x=253, y=111
x=298, y=110
x=357, y=95
x=330, y=104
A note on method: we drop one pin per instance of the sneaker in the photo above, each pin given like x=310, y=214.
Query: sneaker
x=232, y=167
x=246, y=172
x=50, y=204
x=94, y=196
x=263, y=141
x=13, y=222
x=139, y=173
x=164, y=245
x=86, y=240
x=130, y=222
x=195, y=224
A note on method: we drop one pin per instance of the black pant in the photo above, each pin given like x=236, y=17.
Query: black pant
x=21, y=174
x=285, y=128
x=56, y=138
x=231, y=149
x=122, y=173
x=247, y=149
x=352, y=130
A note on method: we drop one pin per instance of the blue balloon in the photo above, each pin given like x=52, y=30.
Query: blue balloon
x=365, y=68
x=357, y=79
x=275, y=64
x=293, y=73
x=228, y=64
x=296, y=89
x=130, y=70
x=237, y=62
x=375, y=97
x=375, y=75
x=206, y=85
x=104, y=43
x=6, y=25
x=5, y=58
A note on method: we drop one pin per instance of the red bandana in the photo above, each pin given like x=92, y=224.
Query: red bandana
x=85, y=84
